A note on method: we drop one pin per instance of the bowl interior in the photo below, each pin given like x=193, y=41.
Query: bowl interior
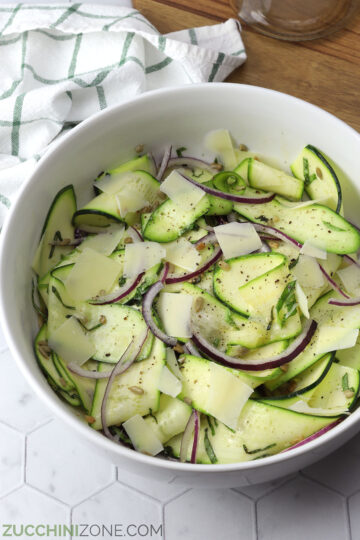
x=268, y=122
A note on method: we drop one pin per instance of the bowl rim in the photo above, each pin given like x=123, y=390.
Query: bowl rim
x=49, y=396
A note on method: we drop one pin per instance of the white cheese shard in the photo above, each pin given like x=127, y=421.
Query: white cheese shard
x=93, y=272
x=312, y=250
x=130, y=200
x=334, y=338
x=142, y=256
x=142, y=436
x=168, y=383
x=237, y=239
x=181, y=192
x=183, y=253
x=172, y=363
x=227, y=396
x=302, y=300
x=175, y=312
x=350, y=278
x=307, y=272
x=71, y=343
x=220, y=142
x=104, y=243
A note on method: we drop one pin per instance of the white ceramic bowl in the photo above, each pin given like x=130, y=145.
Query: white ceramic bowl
x=269, y=122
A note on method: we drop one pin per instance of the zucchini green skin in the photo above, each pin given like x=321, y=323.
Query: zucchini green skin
x=333, y=232
x=265, y=430
x=169, y=221
x=329, y=179
x=96, y=218
x=58, y=219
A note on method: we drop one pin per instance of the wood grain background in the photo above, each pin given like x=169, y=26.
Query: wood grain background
x=325, y=72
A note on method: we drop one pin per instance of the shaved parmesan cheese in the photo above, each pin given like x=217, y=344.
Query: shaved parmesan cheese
x=103, y=243
x=173, y=363
x=168, y=383
x=142, y=436
x=130, y=200
x=227, y=396
x=301, y=204
x=237, y=239
x=92, y=273
x=142, y=256
x=302, y=300
x=71, y=343
x=302, y=407
x=334, y=338
x=220, y=142
x=175, y=312
x=111, y=183
x=182, y=253
x=307, y=272
x=350, y=277
x=181, y=192
x=313, y=251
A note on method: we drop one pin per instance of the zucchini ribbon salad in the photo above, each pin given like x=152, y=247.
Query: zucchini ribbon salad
x=203, y=312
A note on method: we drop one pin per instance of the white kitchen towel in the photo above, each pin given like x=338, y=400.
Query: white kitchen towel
x=59, y=64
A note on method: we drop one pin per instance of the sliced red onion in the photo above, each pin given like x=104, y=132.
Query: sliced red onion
x=314, y=436
x=192, y=163
x=208, y=264
x=74, y=368
x=119, y=368
x=118, y=294
x=148, y=300
x=351, y=260
x=347, y=302
x=291, y=352
x=191, y=432
x=267, y=229
x=134, y=234
x=229, y=196
x=79, y=234
x=333, y=284
x=164, y=162
x=164, y=272
x=265, y=248
x=190, y=348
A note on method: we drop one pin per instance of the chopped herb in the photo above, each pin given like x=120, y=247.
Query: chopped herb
x=37, y=308
x=216, y=160
x=85, y=327
x=212, y=429
x=307, y=177
x=152, y=415
x=57, y=236
x=209, y=449
x=215, y=422
x=168, y=451
x=286, y=306
x=57, y=294
x=260, y=457
x=268, y=328
x=345, y=383
x=179, y=151
x=293, y=263
x=262, y=218
x=333, y=227
x=216, y=342
x=257, y=450
x=122, y=281
x=121, y=435
x=196, y=227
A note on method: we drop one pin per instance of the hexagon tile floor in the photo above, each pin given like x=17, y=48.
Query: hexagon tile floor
x=47, y=478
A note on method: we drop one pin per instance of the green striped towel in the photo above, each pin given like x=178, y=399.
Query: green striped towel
x=59, y=64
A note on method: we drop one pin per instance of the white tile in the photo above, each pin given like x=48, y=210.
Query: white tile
x=340, y=470
x=354, y=505
x=211, y=514
x=19, y=407
x=11, y=459
x=136, y=515
x=28, y=506
x=63, y=466
x=258, y=490
x=159, y=490
x=302, y=509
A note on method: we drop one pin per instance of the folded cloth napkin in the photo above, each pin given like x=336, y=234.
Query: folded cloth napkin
x=59, y=64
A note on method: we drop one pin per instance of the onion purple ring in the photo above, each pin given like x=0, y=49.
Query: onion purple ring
x=119, y=294
x=192, y=162
x=193, y=425
x=148, y=300
x=74, y=368
x=333, y=284
x=212, y=260
x=291, y=352
x=229, y=196
x=314, y=436
x=347, y=302
x=164, y=162
x=267, y=229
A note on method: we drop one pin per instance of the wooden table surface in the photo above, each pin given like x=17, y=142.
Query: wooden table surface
x=325, y=72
